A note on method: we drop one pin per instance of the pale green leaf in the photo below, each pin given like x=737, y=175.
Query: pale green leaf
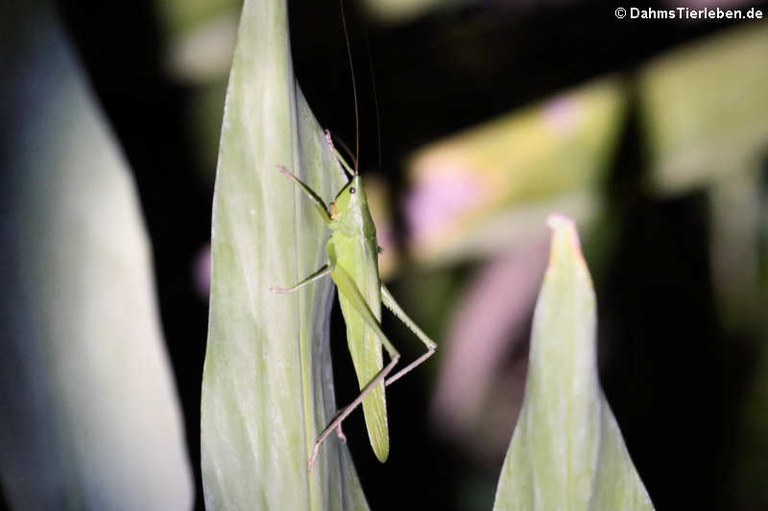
x=89, y=418
x=567, y=452
x=267, y=383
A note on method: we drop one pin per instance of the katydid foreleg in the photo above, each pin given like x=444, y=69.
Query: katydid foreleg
x=345, y=166
x=319, y=204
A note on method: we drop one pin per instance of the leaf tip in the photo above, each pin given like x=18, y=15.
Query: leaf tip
x=564, y=233
x=557, y=221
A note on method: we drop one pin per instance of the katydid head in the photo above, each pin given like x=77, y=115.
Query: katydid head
x=351, y=197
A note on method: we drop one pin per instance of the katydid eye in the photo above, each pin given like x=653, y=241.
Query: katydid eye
x=352, y=190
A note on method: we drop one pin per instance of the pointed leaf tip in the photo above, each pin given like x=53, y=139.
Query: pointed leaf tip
x=567, y=451
x=564, y=232
x=557, y=221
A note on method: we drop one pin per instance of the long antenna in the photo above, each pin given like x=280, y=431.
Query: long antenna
x=354, y=86
x=372, y=76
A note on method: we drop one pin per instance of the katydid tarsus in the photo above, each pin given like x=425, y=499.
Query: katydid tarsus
x=352, y=264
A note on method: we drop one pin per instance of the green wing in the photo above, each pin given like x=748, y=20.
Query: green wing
x=359, y=294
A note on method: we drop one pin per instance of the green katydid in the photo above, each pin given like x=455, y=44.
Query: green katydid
x=353, y=266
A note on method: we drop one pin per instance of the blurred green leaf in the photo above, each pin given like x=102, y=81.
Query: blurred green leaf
x=706, y=110
x=482, y=190
x=567, y=451
x=267, y=383
x=404, y=11
x=184, y=16
x=89, y=417
x=202, y=56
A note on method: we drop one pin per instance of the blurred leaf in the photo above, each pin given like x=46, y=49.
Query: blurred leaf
x=735, y=216
x=706, y=109
x=184, y=16
x=567, y=451
x=706, y=112
x=404, y=11
x=199, y=42
x=494, y=185
x=267, y=383
x=481, y=376
x=89, y=418
x=203, y=54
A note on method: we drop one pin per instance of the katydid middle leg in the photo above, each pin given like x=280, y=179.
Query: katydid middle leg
x=322, y=272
